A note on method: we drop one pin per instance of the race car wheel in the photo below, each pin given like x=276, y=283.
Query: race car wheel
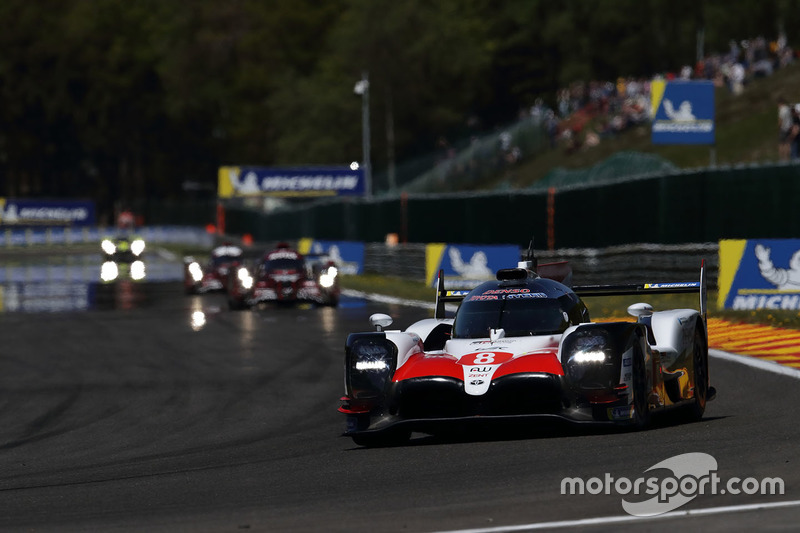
x=384, y=439
x=700, y=364
x=640, y=403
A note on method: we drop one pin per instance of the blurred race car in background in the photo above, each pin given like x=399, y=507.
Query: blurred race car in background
x=122, y=248
x=214, y=275
x=522, y=348
x=283, y=275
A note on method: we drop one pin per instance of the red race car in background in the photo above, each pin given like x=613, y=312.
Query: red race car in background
x=283, y=275
x=213, y=276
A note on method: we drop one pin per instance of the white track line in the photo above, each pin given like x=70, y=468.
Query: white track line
x=755, y=362
x=608, y=520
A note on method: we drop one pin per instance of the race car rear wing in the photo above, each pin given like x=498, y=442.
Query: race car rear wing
x=700, y=287
x=444, y=296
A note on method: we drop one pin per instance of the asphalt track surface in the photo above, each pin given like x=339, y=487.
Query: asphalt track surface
x=130, y=418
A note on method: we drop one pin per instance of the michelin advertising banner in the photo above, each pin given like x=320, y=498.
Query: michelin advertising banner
x=683, y=112
x=467, y=265
x=759, y=274
x=30, y=212
x=237, y=182
x=347, y=256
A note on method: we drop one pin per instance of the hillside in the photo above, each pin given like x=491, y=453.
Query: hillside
x=746, y=133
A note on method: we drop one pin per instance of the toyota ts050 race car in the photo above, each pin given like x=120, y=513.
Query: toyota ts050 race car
x=523, y=347
x=213, y=276
x=284, y=276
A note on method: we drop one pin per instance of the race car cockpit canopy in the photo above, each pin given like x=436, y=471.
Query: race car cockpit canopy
x=535, y=306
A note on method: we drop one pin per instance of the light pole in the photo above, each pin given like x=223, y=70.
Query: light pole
x=362, y=89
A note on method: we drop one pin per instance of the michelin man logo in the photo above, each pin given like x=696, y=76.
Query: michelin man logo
x=785, y=279
x=8, y=215
x=247, y=185
x=476, y=268
x=683, y=114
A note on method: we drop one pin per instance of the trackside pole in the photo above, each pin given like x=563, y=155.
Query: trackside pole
x=551, y=218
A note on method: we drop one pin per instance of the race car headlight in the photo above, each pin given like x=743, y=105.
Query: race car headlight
x=137, y=270
x=108, y=246
x=245, y=278
x=587, y=357
x=109, y=271
x=370, y=361
x=137, y=247
x=195, y=271
x=328, y=278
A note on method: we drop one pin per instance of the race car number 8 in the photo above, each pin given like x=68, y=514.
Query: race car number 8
x=485, y=358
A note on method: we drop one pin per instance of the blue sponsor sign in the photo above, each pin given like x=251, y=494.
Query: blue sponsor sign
x=684, y=113
x=348, y=256
x=468, y=265
x=759, y=274
x=298, y=181
x=28, y=212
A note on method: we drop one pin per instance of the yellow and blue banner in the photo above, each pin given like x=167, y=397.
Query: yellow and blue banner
x=236, y=182
x=683, y=112
x=467, y=265
x=759, y=274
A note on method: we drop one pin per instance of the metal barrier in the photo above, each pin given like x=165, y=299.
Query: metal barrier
x=612, y=265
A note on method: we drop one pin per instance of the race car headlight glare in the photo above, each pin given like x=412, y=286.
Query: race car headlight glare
x=370, y=362
x=137, y=270
x=108, y=246
x=137, y=247
x=245, y=278
x=328, y=278
x=589, y=356
x=195, y=271
x=109, y=271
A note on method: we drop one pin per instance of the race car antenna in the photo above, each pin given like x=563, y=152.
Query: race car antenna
x=531, y=263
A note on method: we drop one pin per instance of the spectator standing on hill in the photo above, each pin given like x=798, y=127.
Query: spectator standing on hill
x=785, y=124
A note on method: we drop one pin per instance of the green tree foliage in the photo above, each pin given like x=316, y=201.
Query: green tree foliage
x=120, y=99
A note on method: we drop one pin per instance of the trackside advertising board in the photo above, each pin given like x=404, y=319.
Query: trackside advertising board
x=31, y=212
x=348, y=256
x=467, y=265
x=759, y=274
x=683, y=112
x=237, y=182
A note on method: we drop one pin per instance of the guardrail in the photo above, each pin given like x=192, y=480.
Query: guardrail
x=612, y=265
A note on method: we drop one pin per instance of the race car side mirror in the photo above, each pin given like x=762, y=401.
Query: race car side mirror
x=380, y=321
x=640, y=309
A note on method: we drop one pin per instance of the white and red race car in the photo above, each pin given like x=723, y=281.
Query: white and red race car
x=521, y=348
x=213, y=275
x=285, y=276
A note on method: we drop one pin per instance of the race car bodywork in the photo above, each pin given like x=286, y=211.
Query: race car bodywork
x=284, y=276
x=213, y=277
x=523, y=347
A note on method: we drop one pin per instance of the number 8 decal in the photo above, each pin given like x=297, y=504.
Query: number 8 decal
x=484, y=359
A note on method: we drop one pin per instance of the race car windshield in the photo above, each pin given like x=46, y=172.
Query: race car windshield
x=519, y=318
x=224, y=259
x=284, y=264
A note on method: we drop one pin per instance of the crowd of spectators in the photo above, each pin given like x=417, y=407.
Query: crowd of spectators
x=587, y=112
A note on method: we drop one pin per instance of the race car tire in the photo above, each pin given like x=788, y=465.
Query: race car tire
x=695, y=410
x=640, y=402
x=384, y=439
